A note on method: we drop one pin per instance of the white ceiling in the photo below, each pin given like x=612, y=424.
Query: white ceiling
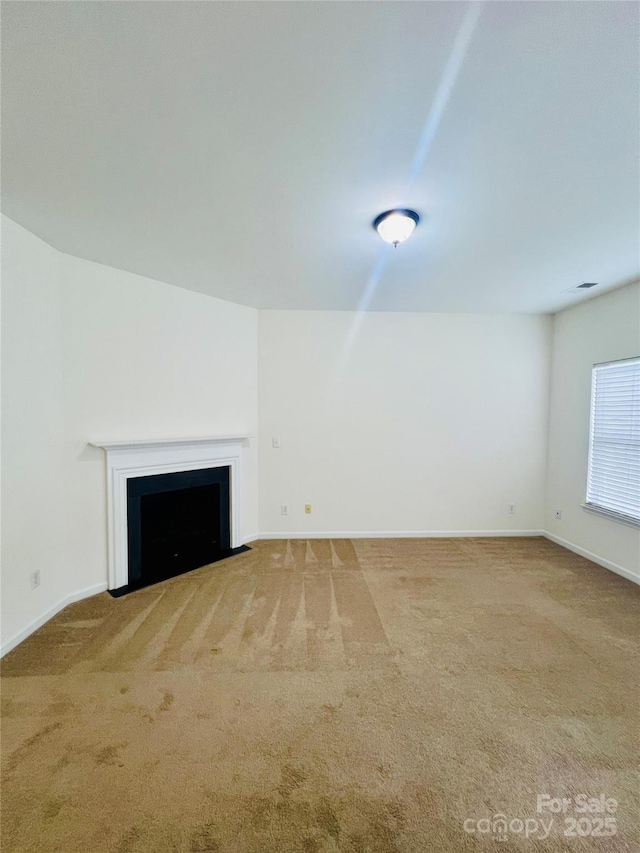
x=242, y=149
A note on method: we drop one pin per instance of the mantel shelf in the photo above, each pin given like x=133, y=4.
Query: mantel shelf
x=137, y=444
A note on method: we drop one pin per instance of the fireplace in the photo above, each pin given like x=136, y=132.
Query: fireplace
x=176, y=522
x=172, y=505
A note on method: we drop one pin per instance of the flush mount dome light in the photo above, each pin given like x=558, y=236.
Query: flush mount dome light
x=396, y=226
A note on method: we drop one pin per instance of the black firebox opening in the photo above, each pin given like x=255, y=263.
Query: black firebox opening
x=176, y=522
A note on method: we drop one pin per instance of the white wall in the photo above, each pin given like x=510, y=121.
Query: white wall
x=90, y=353
x=602, y=329
x=33, y=481
x=431, y=423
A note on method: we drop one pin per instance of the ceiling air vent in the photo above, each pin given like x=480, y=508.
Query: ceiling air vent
x=577, y=288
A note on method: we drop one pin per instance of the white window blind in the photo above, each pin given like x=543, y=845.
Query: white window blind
x=613, y=482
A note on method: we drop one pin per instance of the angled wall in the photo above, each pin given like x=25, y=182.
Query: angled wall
x=34, y=533
x=90, y=353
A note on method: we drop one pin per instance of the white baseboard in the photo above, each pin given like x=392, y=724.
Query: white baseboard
x=251, y=538
x=397, y=534
x=49, y=614
x=607, y=564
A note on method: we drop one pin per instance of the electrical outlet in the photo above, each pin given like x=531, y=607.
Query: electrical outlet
x=307, y=509
x=511, y=509
x=34, y=579
x=275, y=442
x=284, y=509
x=558, y=514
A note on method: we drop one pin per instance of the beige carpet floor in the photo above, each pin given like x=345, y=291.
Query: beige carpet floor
x=361, y=696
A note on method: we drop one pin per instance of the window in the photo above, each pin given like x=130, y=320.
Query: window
x=613, y=482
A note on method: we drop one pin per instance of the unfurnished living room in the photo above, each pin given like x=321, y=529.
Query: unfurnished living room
x=320, y=426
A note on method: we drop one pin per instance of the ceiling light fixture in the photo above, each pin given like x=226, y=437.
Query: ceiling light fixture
x=396, y=226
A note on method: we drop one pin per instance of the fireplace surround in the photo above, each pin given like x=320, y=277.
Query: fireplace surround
x=128, y=462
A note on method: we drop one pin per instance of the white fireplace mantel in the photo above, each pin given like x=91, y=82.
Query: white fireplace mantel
x=146, y=457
